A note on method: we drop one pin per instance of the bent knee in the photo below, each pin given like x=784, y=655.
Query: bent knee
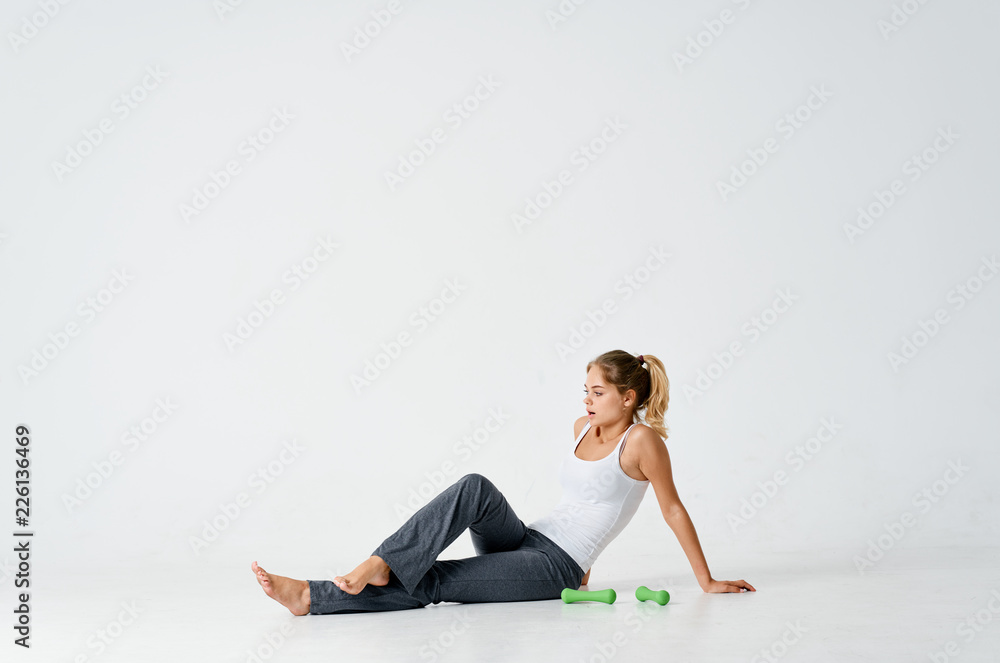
x=475, y=478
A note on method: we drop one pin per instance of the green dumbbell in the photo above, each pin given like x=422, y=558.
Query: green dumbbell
x=644, y=593
x=604, y=596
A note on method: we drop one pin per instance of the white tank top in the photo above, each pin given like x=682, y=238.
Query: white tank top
x=598, y=501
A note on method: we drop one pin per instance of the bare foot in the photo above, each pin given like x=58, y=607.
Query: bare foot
x=372, y=571
x=293, y=594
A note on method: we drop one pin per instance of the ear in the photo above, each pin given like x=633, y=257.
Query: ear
x=630, y=394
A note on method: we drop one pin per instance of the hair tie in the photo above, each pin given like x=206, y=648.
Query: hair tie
x=641, y=360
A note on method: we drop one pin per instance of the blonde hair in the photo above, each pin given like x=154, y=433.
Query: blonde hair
x=652, y=388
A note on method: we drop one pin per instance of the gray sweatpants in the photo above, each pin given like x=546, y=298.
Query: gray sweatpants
x=512, y=562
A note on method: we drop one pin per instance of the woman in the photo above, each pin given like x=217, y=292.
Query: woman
x=516, y=562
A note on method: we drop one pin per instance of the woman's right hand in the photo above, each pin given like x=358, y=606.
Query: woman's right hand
x=585, y=578
x=727, y=586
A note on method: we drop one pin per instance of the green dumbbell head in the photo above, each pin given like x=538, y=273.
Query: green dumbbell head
x=604, y=596
x=644, y=593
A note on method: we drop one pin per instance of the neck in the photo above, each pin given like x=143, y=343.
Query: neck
x=611, y=431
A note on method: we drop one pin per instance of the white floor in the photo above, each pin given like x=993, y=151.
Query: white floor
x=809, y=607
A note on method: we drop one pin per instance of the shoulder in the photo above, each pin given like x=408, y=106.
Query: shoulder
x=649, y=455
x=645, y=455
x=646, y=441
x=578, y=426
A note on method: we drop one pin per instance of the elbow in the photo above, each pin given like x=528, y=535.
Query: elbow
x=674, y=512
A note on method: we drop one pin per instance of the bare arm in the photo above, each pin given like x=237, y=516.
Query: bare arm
x=577, y=427
x=654, y=463
x=680, y=522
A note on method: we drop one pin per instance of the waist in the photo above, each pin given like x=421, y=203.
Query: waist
x=543, y=542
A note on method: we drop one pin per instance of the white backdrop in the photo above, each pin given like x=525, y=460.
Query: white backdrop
x=515, y=188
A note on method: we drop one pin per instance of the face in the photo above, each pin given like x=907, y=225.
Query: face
x=603, y=402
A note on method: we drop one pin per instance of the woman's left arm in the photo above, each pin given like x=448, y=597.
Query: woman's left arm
x=654, y=463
